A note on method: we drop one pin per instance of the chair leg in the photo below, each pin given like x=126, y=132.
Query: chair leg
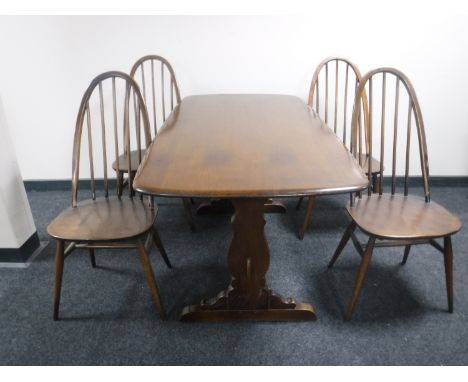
x=366, y=258
x=405, y=256
x=192, y=201
x=59, y=260
x=120, y=182
x=307, y=217
x=375, y=184
x=158, y=243
x=299, y=202
x=92, y=257
x=145, y=261
x=130, y=186
x=188, y=213
x=448, y=261
x=349, y=231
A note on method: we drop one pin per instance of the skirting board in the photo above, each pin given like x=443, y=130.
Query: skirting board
x=21, y=254
x=30, y=259
x=18, y=257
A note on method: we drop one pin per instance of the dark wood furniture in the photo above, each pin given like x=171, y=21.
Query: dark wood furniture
x=331, y=95
x=247, y=148
x=392, y=219
x=158, y=85
x=108, y=222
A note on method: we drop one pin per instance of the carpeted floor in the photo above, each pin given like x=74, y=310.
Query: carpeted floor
x=108, y=316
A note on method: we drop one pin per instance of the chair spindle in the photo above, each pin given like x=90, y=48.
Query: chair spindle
x=369, y=172
x=163, y=97
x=103, y=135
x=116, y=136
x=382, y=131
x=336, y=97
x=408, y=146
x=395, y=134
x=326, y=93
x=154, y=98
x=345, y=104
x=90, y=149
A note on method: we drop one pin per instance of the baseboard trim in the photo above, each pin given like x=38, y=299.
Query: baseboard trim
x=28, y=262
x=434, y=181
x=21, y=254
x=65, y=185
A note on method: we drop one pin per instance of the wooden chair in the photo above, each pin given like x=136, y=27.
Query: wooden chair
x=392, y=219
x=161, y=94
x=108, y=222
x=336, y=85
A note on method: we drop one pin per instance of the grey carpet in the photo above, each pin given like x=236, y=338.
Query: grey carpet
x=108, y=316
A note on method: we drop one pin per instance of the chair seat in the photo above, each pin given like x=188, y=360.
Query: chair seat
x=403, y=217
x=103, y=219
x=123, y=161
x=375, y=164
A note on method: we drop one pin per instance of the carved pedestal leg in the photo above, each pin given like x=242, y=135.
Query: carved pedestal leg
x=225, y=206
x=248, y=297
x=215, y=206
x=274, y=207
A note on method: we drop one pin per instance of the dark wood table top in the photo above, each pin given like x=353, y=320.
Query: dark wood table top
x=227, y=146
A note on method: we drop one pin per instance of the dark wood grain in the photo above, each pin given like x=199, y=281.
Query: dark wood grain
x=395, y=220
x=247, y=148
x=109, y=222
x=223, y=146
x=159, y=103
x=59, y=260
x=122, y=164
x=247, y=296
x=343, y=88
x=109, y=218
x=403, y=217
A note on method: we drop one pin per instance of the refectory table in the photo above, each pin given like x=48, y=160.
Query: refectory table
x=248, y=149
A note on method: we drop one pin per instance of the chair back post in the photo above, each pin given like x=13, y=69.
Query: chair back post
x=84, y=113
x=77, y=144
x=414, y=111
x=314, y=94
x=174, y=96
x=423, y=155
x=356, y=134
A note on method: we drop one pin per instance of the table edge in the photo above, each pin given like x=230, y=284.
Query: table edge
x=245, y=194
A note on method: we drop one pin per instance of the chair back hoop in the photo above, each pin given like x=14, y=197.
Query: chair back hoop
x=84, y=116
x=156, y=96
x=314, y=95
x=414, y=111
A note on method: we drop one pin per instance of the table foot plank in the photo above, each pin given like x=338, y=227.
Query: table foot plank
x=301, y=312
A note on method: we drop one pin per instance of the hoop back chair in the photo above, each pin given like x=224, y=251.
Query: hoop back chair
x=108, y=222
x=338, y=88
x=158, y=85
x=395, y=219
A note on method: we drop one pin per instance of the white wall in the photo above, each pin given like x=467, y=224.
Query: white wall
x=46, y=63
